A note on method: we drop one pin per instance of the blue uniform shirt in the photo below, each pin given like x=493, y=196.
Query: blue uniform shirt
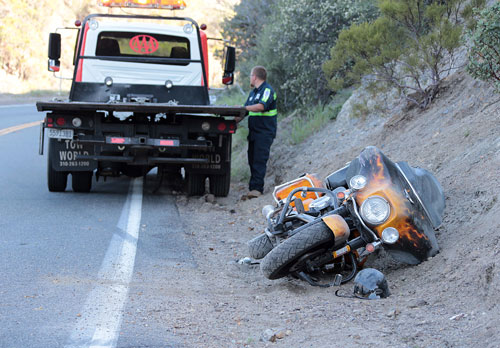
x=263, y=123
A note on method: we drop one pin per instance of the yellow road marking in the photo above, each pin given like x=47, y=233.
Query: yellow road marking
x=17, y=128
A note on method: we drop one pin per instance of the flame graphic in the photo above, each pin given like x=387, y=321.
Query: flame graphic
x=405, y=217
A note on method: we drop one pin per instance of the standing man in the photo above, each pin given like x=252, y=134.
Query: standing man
x=262, y=126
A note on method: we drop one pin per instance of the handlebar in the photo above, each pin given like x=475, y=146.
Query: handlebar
x=288, y=200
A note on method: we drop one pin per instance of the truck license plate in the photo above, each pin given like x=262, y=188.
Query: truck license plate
x=60, y=133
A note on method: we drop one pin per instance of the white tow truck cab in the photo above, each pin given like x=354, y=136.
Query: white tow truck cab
x=139, y=99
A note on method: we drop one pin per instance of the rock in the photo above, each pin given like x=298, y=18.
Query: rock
x=281, y=334
x=458, y=316
x=268, y=336
x=418, y=303
x=245, y=260
x=393, y=313
x=271, y=335
x=210, y=198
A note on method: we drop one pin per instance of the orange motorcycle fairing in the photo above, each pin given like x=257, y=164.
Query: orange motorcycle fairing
x=416, y=240
x=282, y=191
x=339, y=227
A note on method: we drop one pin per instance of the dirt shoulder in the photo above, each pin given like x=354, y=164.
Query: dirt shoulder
x=447, y=301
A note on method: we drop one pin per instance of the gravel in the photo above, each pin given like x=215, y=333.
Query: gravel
x=447, y=301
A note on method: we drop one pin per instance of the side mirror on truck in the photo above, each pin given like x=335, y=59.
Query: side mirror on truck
x=54, y=52
x=229, y=64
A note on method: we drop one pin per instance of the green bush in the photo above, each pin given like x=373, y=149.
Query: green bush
x=412, y=47
x=243, y=30
x=484, y=48
x=292, y=38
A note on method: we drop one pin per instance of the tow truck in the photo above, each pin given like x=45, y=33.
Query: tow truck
x=139, y=99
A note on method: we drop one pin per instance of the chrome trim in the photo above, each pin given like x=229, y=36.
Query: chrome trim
x=306, y=218
x=41, y=139
x=415, y=193
x=361, y=220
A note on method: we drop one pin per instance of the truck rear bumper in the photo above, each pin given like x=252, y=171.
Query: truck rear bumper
x=146, y=161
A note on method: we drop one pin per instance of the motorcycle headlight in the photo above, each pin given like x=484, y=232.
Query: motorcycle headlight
x=390, y=235
x=357, y=182
x=375, y=210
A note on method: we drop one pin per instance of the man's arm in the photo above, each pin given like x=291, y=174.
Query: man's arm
x=255, y=107
x=252, y=108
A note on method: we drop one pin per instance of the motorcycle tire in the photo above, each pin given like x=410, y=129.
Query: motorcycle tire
x=259, y=246
x=277, y=263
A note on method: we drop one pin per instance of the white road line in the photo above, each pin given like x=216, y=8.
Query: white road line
x=17, y=128
x=100, y=322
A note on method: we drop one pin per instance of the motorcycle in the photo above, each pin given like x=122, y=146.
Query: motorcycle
x=331, y=227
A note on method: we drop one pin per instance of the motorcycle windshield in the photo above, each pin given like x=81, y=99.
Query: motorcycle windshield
x=410, y=193
x=427, y=190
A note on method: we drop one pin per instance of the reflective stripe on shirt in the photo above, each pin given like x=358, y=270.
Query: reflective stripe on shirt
x=266, y=113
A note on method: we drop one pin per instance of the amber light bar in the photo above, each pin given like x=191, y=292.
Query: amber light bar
x=154, y=4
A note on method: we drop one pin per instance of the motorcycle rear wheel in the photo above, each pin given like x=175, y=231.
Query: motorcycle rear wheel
x=277, y=263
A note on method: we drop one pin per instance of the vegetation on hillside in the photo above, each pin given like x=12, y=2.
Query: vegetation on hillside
x=484, y=48
x=311, y=50
x=292, y=38
x=412, y=46
x=25, y=25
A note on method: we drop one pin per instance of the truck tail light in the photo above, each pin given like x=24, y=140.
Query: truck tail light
x=167, y=143
x=222, y=127
x=60, y=121
x=50, y=122
x=115, y=140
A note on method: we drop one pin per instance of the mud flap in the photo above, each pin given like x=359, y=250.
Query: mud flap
x=219, y=157
x=64, y=155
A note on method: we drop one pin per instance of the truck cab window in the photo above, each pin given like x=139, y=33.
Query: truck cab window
x=133, y=44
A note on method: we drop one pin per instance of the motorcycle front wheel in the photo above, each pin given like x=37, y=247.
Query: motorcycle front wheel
x=277, y=263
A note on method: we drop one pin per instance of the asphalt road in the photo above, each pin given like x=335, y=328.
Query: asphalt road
x=76, y=269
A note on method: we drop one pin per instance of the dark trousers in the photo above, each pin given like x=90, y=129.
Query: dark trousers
x=259, y=146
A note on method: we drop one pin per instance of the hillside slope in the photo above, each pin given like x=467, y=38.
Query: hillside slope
x=447, y=301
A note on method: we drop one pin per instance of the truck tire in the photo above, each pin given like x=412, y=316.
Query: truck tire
x=81, y=181
x=278, y=262
x=219, y=184
x=196, y=184
x=56, y=181
x=259, y=246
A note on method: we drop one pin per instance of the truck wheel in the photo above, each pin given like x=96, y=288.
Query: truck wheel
x=196, y=184
x=219, y=184
x=278, y=262
x=82, y=181
x=56, y=181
